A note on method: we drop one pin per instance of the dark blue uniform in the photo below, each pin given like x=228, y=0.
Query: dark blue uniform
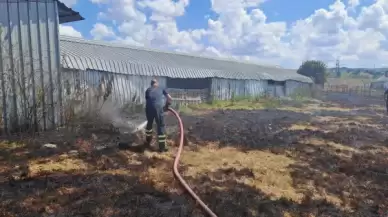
x=155, y=101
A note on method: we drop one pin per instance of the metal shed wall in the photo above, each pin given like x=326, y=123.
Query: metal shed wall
x=128, y=89
x=276, y=90
x=29, y=60
x=125, y=88
x=189, y=83
x=292, y=86
x=224, y=89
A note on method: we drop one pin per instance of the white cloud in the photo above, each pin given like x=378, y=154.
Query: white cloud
x=353, y=3
x=69, y=3
x=241, y=30
x=101, y=31
x=69, y=31
x=164, y=9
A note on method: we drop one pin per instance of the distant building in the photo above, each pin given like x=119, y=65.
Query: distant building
x=379, y=83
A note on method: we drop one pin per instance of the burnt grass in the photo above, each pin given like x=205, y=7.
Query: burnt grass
x=348, y=163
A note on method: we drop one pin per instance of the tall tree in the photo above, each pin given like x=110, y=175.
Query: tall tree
x=314, y=69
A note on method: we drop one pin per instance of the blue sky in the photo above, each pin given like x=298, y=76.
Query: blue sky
x=198, y=11
x=292, y=32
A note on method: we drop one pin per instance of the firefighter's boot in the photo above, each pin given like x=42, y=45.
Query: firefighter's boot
x=148, y=141
x=162, y=143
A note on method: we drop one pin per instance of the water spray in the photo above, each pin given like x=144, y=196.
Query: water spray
x=139, y=127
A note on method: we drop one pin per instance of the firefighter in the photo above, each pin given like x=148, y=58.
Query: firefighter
x=155, y=108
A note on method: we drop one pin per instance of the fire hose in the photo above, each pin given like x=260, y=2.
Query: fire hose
x=176, y=171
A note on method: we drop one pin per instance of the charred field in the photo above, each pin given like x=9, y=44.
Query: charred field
x=246, y=158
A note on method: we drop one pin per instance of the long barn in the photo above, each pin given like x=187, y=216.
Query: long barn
x=41, y=70
x=132, y=68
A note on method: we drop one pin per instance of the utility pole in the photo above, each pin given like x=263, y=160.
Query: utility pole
x=337, y=68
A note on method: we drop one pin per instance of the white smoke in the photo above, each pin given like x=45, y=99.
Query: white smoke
x=106, y=111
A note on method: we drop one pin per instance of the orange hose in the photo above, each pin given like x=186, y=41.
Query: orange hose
x=176, y=172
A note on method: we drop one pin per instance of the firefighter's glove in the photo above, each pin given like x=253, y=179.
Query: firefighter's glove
x=167, y=106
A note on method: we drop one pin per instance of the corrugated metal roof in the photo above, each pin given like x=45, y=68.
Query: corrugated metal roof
x=87, y=54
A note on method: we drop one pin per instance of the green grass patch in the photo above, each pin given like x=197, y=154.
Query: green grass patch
x=185, y=109
x=298, y=99
x=238, y=103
